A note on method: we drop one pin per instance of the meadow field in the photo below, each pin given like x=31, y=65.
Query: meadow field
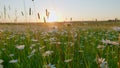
x=60, y=45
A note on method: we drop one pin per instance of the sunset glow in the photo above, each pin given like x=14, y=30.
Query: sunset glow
x=52, y=17
x=60, y=10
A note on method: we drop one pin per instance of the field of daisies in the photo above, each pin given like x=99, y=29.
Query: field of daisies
x=86, y=45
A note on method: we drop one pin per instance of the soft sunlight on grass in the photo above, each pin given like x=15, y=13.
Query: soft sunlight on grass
x=52, y=17
x=59, y=34
x=62, y=46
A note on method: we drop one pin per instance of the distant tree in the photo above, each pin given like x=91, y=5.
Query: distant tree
x=116, y=19
x=96, y=20
x=110, y=20
x=71, y=19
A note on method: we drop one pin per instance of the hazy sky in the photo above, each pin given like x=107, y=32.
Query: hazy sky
x=62, y=9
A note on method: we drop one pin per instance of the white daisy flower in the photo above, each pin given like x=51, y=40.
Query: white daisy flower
x=116, y=28
x=11, y=55
x=20, y=47
x=1, y=66
x=34, y=40
x=114, y=43
x=30, y=55
x=22, y=37
x=105, y=41
x=41, y=47
x=102, y=63
x=100, y=46
x=49, y=66
x=1, y=61
x=13, y=61
x=33, y=45
x=52, y=39
x=33, y=51
x=68, y=60
x=47, y=53
x=3, y=49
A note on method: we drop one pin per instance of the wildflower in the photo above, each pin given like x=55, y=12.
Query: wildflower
x=71, y=43
x=5, y=44
x=47, y=53
x=30, y=55
x=65, y=43
x=33, y=51
x=100, y=60
x=58, y=43
x=13, y=61
x=1, y=61
x=52, y=39
x=100, y=46
x=34, y=40
x=64, y=32
x=110, y=42
x=20, y=47
x=8, y=38
x=75, y=35
x=105, y=41
x=44, y=34
x=116, y=29
x=11, y=55
x=102, y=63
x=49, y=66
x=41, y=47
x=68, y=60
x=45, y=40
x=22, y=37
x=3, y=49
x=1, y=66
x=114, y=43
x=33, y=45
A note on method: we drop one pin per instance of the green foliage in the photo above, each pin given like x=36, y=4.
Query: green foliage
x=75, y=44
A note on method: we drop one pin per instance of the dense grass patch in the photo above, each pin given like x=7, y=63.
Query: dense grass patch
x=67, y=47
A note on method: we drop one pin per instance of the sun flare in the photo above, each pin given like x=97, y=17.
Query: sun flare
x=52, y=17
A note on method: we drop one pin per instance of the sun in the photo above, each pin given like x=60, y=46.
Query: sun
x=52, y=17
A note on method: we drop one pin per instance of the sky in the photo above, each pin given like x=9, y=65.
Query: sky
x=60, y=10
